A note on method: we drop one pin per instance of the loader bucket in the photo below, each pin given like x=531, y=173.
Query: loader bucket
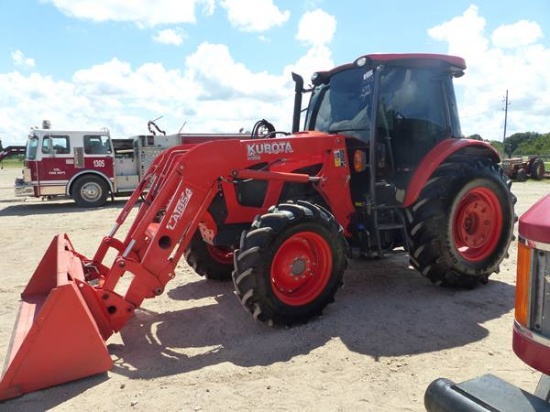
x=55, y=339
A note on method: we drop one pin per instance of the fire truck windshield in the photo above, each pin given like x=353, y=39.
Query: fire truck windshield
x=32, y=148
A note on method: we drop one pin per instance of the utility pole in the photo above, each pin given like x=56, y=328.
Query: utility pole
x=506, y=104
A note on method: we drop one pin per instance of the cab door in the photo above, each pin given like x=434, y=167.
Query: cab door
x=56, y=166
x=98, y=155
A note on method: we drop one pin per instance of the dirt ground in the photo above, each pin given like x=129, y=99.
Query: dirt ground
x=388, y=335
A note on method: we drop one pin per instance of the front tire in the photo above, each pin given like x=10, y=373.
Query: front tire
x=290, y=263
x=90, y=191
x=462, y=223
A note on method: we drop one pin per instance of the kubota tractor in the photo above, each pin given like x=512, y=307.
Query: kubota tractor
x=380, y=165
x=531, y=332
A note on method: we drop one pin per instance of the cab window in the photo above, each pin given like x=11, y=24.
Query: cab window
x=56, y=144
x=94, y=145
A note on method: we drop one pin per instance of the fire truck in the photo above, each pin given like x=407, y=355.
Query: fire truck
x=90, y=166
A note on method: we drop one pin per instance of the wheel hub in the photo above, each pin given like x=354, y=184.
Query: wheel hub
x=90, y=191
x=476, y=225
x=298, y=266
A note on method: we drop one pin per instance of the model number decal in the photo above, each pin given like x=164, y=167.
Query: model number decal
x=255, y=150
x=339, y=158
x=99, y=163
x=179, y=209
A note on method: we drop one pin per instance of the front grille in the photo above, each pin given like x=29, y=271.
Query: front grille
x=539, y=313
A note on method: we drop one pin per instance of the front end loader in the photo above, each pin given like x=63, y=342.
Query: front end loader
x=380, y=165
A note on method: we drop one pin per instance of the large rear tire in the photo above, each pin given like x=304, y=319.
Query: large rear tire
x=462, y=223
x=290, y=263
x=537, y=170
x=214, y=263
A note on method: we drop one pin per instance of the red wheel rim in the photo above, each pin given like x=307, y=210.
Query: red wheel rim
x=477, y=224
x=301, y=268
x=223, y=255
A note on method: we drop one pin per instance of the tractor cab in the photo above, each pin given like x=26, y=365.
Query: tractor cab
x=402, y=106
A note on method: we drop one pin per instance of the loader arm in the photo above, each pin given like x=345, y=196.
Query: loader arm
x=176, y=192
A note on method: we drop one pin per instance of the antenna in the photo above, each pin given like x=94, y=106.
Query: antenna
x=182, y=126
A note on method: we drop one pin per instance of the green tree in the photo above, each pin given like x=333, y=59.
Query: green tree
x=512, y=142
x=538, y=145
x=498, y=145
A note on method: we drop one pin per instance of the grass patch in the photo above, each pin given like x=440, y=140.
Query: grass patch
x=11, y=163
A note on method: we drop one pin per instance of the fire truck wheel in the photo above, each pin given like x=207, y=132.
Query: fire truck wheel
x=462, y=223
x=290, y=263
x=215, y=263
x=90, y=191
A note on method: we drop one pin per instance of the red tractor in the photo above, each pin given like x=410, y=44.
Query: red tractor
x=519, y=168
x=380, y=166
x=531, y=332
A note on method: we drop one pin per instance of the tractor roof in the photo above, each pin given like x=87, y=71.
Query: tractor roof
x=452, y=64
x=416, y=59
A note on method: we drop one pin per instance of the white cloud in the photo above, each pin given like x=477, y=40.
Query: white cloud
x=19, y=59
x=254, y=16
x=212, y=92
x=498, y=62
x=145, y=13
x=317, y=58
x=316, y=28
x=174, y=37
x=464, y=34
x=518, y=34
x=213, y=68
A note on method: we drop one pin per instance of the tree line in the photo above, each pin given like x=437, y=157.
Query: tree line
x=526, y=143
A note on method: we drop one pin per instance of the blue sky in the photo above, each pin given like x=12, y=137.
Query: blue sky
x=219, y=65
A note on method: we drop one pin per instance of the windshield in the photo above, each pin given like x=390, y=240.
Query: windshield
x=344, y=103
x=411, y=100
x=32, y=148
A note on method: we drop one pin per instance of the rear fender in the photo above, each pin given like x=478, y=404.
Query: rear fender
x=437, y=156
